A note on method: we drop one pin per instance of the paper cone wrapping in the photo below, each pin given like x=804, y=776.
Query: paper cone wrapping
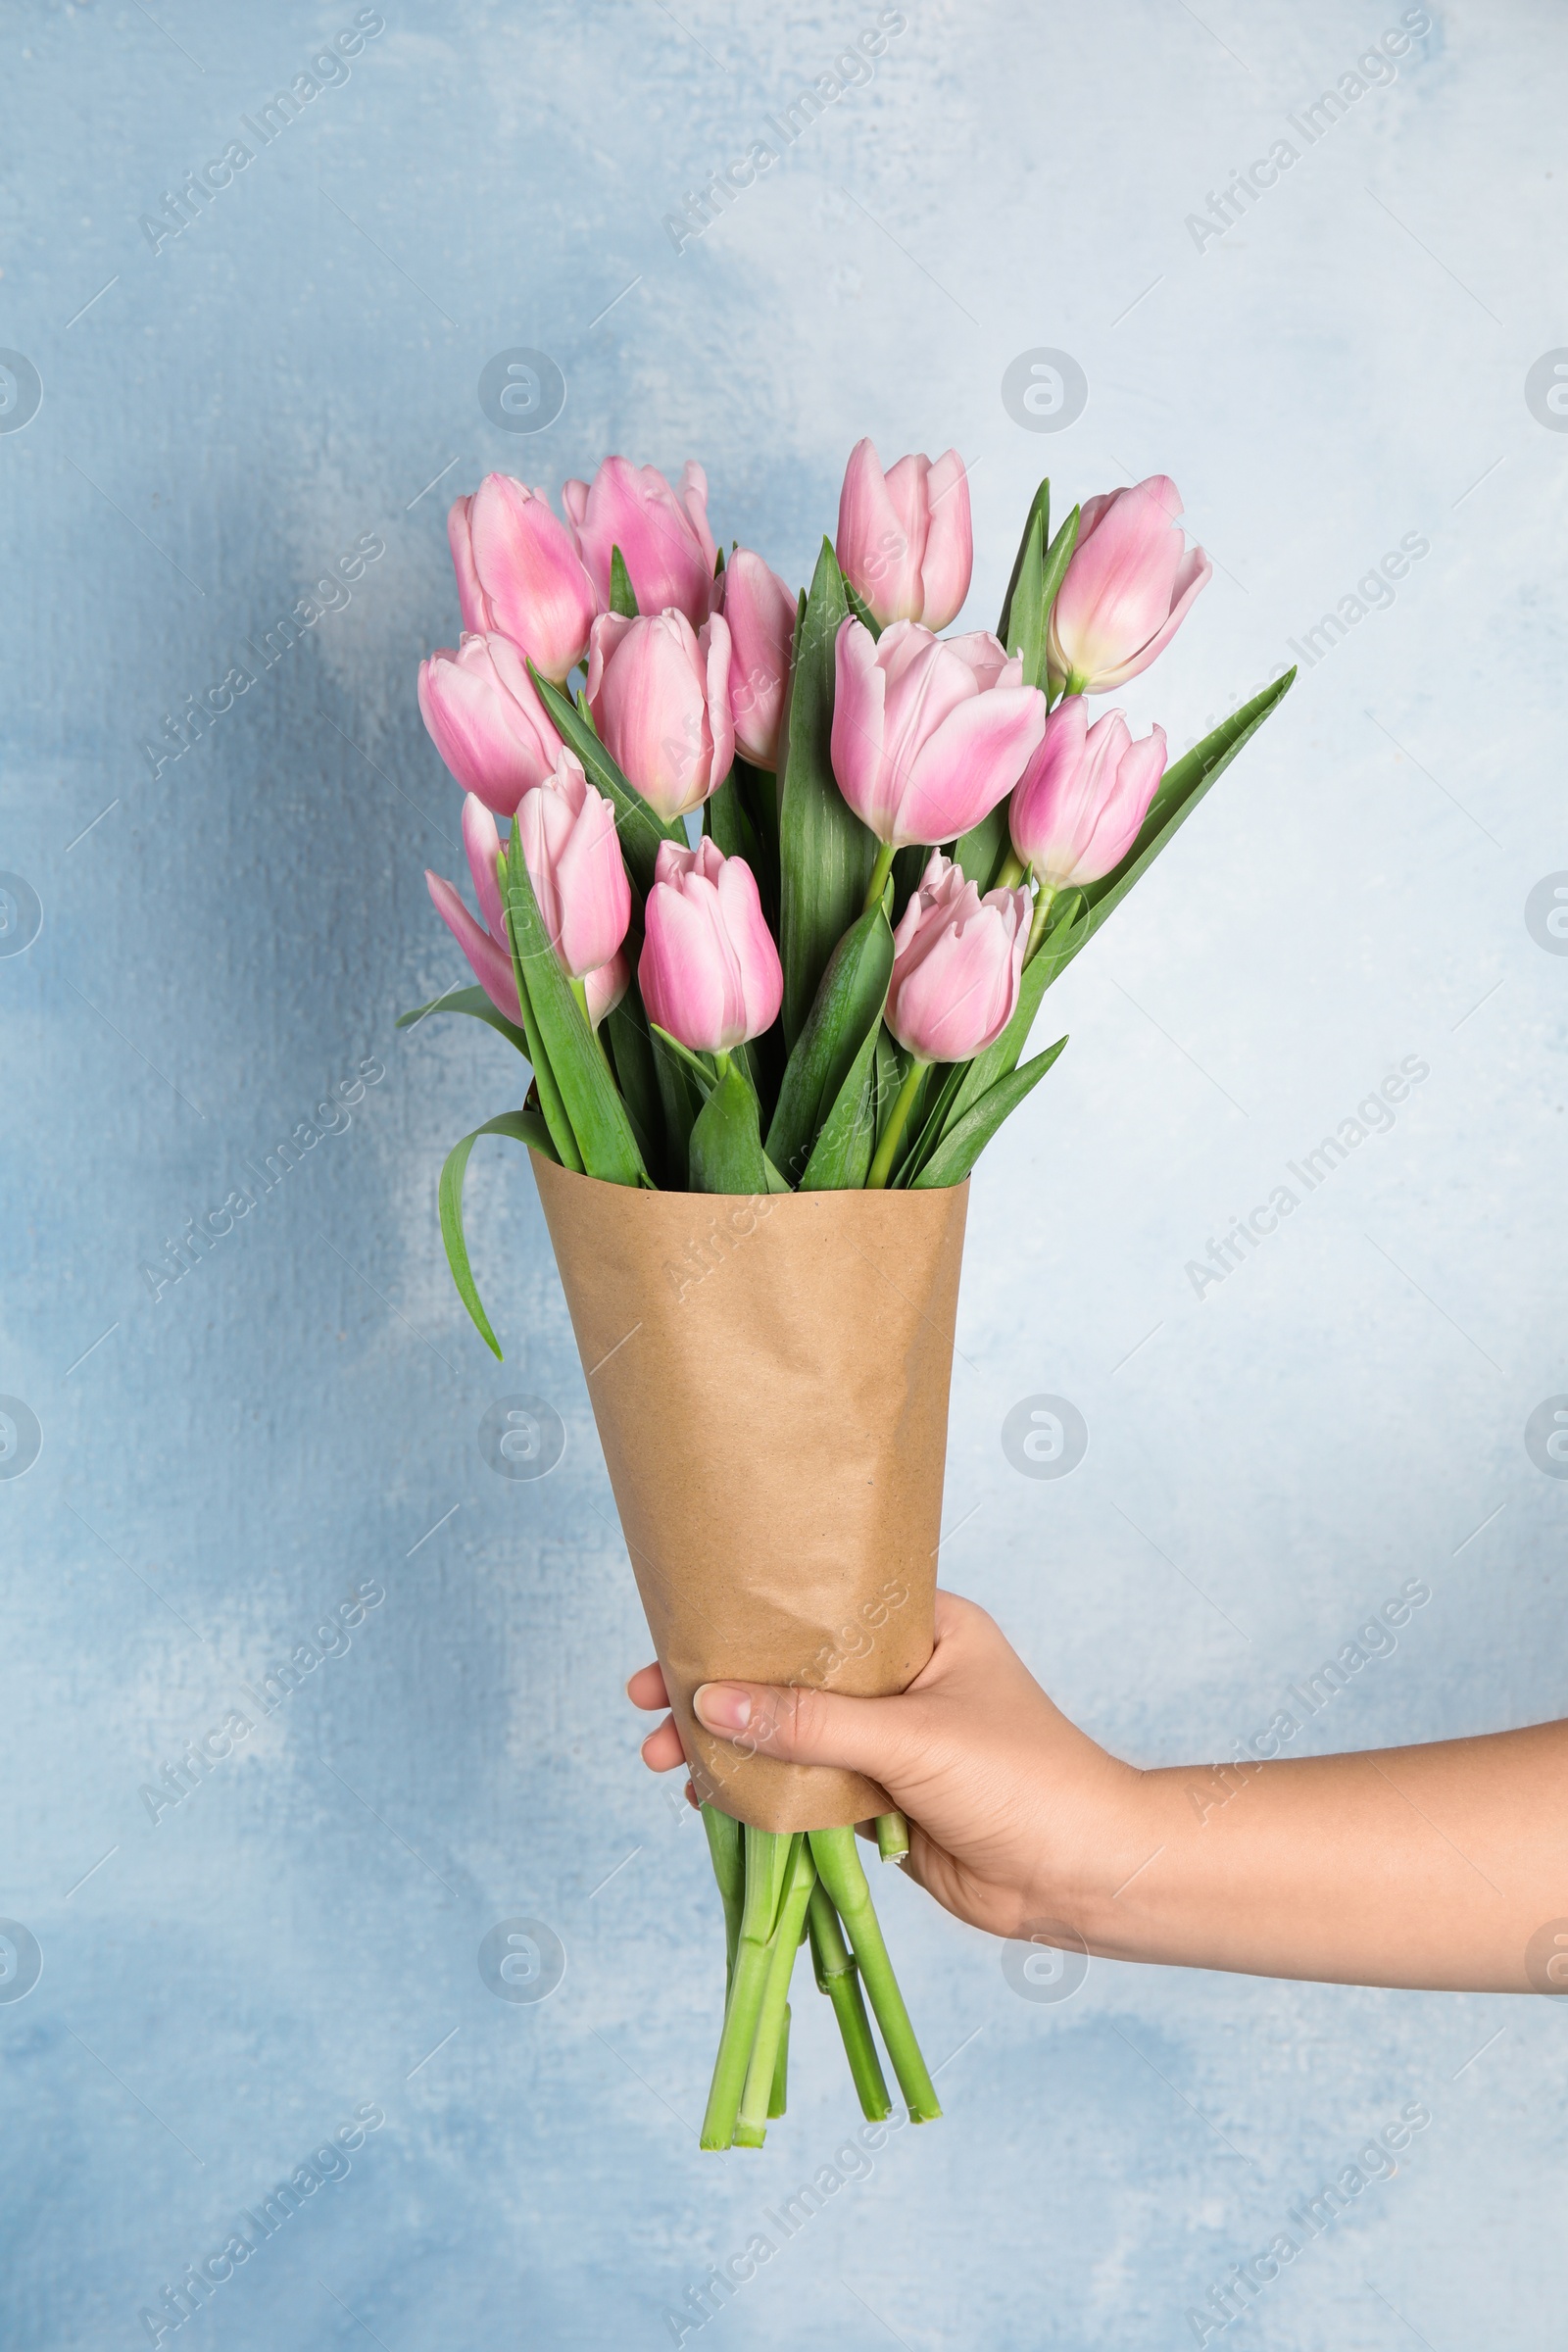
x=769, y=1378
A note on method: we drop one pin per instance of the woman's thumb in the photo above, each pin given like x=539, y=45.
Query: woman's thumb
x=807, y=1727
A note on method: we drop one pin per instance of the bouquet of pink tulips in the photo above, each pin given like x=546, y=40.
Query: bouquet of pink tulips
x=785, y=882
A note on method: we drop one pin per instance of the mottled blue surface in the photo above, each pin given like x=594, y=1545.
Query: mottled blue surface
x=226, y=939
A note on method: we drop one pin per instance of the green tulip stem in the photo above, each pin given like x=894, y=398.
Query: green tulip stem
x=769, y=1860
x=881, y=1167
x=725, y=1846
x=1037, y=928
x=1012, y=871
x=891, y=1835
x=879, y=875
x=579, y=990
x=838, y=1866
x=838, y=1977
x=751, y=2124
x=779, y=2104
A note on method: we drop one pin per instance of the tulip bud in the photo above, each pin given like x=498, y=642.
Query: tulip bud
x=1131, y=579
x=709, y=972
x=906, y=542
x=1084, y=795
x=567, y=855
x=572, y=854
x=487, y=950
x=928, y=733
x=605, y=987
x=518, y=572
x=487, y=721
x=662, y=535
x=658, y=691
x=957, y=960
x=761, y=614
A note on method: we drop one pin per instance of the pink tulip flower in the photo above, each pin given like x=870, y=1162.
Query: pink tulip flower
x=487, y=721
x=572, y=854
x=567, y=844
x=518, y=573
x=709, y=972
x=906, y=542
x=957, y=960
x=662, y=535
x=658, y=691
x=928, y=733
x=1131, y=579
x=1084, y=795
x=761, y=613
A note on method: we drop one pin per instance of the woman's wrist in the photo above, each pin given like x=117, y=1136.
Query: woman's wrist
x=1099, y=1855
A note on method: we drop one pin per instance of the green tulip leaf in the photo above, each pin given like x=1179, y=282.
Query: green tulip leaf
x=702, y=1068
x=825, y=853
x=640, y=827
x=622, y=596
x=1026, y=611
x=847, y=1012
x=680, y=1099
x=631, y=1048
x=962, y=1145
x=892, y=1067
x=1181, y=788
x=523, y=1127
x=473, y=1001
x=861, y=609
x=840, y=1156
x=1058, y=555
x=591, y=1097
x=1039, y=514
x=979, y=853
x=726, y=1147
x=1079, y=913
x=551, y=1103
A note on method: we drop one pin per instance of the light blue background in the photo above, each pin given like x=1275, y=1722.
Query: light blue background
x=235, y=934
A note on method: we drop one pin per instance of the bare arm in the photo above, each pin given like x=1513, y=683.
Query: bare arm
x=1442, y=1865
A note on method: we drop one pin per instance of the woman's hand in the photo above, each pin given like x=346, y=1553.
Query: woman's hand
x=1015, y=1816
x=1440, y=1866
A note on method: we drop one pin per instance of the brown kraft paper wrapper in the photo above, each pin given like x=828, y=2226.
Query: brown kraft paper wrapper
x=769, y=1378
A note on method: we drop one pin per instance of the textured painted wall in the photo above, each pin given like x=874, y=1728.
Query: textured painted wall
x=198, y=948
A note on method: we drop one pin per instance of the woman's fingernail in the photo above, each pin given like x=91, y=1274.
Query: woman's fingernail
x=721, y=1707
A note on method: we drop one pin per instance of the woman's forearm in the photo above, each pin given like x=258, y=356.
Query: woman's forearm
x=1441, y=1866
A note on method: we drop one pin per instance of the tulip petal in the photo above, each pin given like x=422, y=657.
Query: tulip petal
x=486, y=721
x=715, y=645
x=947, y=563
x=971, y=762
x=860, y=701
x=594, y=895
x=760, y=612
x=649, y=694
x=1130, y=580
x=482, y=841
x=669, y=559
x=535, y=589
x=492, y=965
x=605, y=987
x=690, y=982
x=873, y=545
x=1195, y=570
x=470, y=596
